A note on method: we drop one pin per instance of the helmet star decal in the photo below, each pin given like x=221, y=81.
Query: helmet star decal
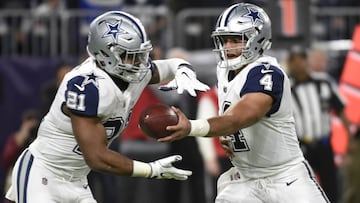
x=114, y=30
x=254, y=15
x=90, y=78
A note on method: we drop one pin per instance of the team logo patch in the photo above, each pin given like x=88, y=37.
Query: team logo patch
x=44, y=181
x=235, y=176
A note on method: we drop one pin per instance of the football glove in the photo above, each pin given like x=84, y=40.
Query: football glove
x=163, y=169
x=185, y=79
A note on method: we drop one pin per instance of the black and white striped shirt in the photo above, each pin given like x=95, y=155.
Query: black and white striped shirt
x=313, y=101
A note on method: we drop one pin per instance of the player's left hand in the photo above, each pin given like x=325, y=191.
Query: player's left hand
x=225, y=142
x=185, y=79
x=163, y=169
x=180, y=130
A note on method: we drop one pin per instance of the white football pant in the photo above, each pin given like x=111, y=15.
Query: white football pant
x=296, y=185
x=32, y=183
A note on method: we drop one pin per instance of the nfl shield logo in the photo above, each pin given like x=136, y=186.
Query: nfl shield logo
x=44, y=181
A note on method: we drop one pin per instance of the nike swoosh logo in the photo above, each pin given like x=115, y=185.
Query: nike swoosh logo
x=183, y=73
x=291, y=182
x=81, y=88
x=266, y=71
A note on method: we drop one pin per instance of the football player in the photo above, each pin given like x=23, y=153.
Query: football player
x=255, y=114
x=91, y=108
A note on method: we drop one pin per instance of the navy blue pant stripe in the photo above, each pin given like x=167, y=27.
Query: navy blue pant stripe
x=27, y=176
x=316, y=183
x=18, y=177
x=22, y=179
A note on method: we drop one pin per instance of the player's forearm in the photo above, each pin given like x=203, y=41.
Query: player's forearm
x=115, y=163
x=168, y=67
x=221, y=125
x=227, y=124
x=242, y=114
x=109, y=161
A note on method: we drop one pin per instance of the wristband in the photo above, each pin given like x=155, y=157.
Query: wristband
x=141, y=169
x=199, y=128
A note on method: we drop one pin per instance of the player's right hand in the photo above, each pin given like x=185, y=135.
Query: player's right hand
x=185, y=79
x=225, y=142
x=163, y=169
x=180, y=130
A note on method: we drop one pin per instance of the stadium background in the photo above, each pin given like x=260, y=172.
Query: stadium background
x=35, y=40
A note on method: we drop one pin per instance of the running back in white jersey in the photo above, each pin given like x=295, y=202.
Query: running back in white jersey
x=87, y=91
x=270, y=146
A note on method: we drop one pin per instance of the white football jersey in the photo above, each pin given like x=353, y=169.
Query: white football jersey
x=270, y=146
x=87, y=91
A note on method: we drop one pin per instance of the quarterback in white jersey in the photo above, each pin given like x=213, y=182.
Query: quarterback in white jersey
x=91, y=108
x=255, y=114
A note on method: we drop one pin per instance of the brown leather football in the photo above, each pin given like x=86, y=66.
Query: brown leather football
x=155, y=118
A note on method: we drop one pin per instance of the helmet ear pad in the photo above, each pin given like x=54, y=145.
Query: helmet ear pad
x=103, y=60
x=256, y=43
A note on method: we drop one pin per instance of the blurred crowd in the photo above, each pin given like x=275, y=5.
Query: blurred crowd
x=206, y=162
x=41, y=27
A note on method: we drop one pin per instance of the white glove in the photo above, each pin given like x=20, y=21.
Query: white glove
x=185, y=79
x=163, y=169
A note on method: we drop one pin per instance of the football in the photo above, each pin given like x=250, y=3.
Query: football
x=155, y=118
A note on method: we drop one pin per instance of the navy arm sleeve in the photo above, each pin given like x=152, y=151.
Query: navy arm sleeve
x=268, y=80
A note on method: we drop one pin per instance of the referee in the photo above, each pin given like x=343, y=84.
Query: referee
x=314, y=96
